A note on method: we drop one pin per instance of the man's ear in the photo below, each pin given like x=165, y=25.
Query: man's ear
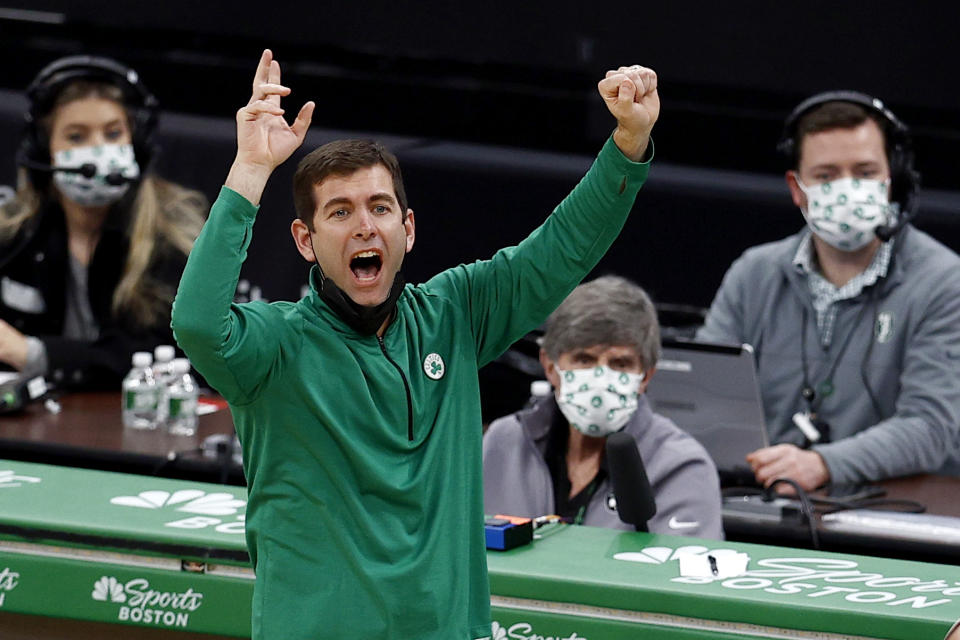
x=796, y=193
x=411, y=229
x=301, y=237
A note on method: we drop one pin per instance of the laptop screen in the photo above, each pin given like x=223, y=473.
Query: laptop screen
x=711, y=392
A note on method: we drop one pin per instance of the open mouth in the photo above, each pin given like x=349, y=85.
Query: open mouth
x=366, y=265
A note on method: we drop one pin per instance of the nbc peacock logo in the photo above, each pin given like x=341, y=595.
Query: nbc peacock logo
x=108, y=589
x=10, y=479
x=186, y=500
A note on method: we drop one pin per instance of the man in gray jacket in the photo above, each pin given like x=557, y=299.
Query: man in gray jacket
x=855, y=320
x=599, y=352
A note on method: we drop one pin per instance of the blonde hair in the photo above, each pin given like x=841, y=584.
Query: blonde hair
x=164, y=217
x=164, y=213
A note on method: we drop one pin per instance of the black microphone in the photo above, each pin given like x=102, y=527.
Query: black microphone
x=887, y=231
x=87, y=170
x=631, y=488
x=908, y=209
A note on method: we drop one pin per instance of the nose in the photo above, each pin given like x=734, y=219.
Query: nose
x=365, y=228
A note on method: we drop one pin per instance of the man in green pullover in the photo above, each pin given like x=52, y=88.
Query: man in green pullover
x=358, y=406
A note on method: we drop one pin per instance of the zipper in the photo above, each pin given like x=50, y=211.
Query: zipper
x=406, y=387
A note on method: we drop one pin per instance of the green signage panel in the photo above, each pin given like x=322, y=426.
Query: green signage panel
x=123, y=594
x=115, y=510
x=137, y=550
x=791, y=589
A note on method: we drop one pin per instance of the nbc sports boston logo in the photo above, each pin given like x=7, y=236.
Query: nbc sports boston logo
x=829, y=578
x=9, y=579
x=220, y=511
x=138, y=602
x=11, y=479
x=525, y=631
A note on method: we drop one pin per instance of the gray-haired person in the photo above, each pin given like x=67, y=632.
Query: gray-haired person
x=599, y=352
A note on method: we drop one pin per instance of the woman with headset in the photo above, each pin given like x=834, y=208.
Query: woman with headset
x=92, y=246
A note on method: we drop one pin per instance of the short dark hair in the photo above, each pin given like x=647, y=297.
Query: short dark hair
x=340, y=158
x=834, y=115
x=610, y=310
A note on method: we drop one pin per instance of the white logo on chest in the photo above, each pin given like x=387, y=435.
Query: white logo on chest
x=433, y=366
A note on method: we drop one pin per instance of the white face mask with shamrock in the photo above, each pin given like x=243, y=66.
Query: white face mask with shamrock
x=598, y=401
x=113, y=163
x=845, y=213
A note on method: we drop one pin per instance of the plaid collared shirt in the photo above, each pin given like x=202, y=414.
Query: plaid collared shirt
x=825, y=295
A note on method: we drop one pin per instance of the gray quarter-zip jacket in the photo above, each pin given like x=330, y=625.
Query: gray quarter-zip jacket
x=686, y=487
x=894, y=407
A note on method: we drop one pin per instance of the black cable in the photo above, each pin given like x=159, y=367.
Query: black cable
x=806, y=508
x=908, y=506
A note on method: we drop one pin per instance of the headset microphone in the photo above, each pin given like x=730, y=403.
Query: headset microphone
x=87, y=170
x=887, y=231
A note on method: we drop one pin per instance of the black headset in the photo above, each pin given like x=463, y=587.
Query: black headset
x=904, y=179
x=140, y=103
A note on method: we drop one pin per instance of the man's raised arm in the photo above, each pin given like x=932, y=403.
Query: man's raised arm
x=204, y=324
x=264, y=139
x=516, y=289
x=630, y=94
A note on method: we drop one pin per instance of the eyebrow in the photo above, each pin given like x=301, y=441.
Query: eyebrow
x=84, y=125
x=383, y=196
x=377, y=197
x=834, y=165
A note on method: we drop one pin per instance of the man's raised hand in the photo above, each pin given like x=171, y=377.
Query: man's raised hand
x=264, y=139
x=630, y=94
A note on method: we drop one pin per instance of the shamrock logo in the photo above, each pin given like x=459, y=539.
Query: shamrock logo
x=433, y=366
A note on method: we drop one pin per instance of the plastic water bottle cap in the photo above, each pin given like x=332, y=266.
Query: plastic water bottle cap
x=142, y=359
x=163, y=353
x=540, y=388
x=181, y=366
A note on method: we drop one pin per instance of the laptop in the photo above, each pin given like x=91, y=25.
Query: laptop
x=711, y=392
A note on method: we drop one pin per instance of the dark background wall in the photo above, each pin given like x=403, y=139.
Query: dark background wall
x=492, y=109
x=522, y=73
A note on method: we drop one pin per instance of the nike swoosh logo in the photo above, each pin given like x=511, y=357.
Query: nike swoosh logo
x=680, y=524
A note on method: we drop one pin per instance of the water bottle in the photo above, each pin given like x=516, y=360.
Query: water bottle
x=539, y=389
x=178, y=407
x=163, y=355
x=139, y=393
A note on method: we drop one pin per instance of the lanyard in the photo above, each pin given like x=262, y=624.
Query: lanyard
x=814, y=397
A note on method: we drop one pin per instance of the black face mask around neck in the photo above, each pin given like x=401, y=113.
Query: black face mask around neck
x=362, y=319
